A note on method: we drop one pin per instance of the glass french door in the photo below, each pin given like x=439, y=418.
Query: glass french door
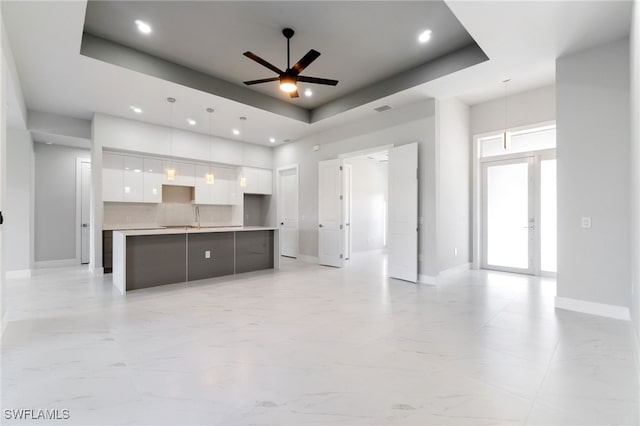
x=519, y=214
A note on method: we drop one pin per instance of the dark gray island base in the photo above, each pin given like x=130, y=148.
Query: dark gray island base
x=143, y=259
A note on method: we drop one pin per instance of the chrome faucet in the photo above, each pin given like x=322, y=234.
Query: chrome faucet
x=198, y=216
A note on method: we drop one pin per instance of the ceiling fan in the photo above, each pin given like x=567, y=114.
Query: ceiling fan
x=289, y=78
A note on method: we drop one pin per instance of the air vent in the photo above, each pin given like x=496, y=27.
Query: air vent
x=382, y=108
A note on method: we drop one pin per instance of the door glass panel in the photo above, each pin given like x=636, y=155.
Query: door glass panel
x=548, y=229
x=508, y=215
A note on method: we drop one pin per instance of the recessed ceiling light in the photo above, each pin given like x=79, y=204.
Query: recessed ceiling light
x=143, y=27
x=272, y=140
x=424, y=36
x=236, y=132
x=308, y=92
x=136, y=109
x=191, y=121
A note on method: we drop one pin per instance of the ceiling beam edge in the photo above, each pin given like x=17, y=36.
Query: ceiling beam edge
x=116, y=54
x=439, y=67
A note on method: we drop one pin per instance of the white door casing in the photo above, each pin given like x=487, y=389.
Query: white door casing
x=515, y=233
x=346, y=191
x=403, y=212
x=330, y=238
x=287, y=191
x=85, y=209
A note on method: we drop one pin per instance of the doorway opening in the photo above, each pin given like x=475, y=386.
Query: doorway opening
x=366, y=191
x=287, y=208
x=83, y=210
x=516, y=201
x=391, y=213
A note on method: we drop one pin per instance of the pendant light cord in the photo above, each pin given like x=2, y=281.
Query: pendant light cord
x=210, y=111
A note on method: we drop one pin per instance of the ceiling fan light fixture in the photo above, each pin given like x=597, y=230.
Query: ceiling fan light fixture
x=288, y=84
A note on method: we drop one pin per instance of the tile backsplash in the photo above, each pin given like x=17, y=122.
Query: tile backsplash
x=164, y=214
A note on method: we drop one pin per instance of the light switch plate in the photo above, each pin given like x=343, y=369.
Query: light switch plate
x=585, y=222
x=207, y=254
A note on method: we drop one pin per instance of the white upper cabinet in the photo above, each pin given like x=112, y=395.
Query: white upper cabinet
x=152, y=181
x=265, y=181
x=259, y=181
x=133, y=179
x=185, y=173
x=112, y=178
x=223, y=191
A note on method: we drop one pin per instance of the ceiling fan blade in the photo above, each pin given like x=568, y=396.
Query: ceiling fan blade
x=294, y=94
x=317, y=80
x=264, y=80
x=262, y=62
x=311, y=56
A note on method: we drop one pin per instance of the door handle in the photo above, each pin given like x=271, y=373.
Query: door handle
x=85, y=225
x=282, y=223
x=320, y=226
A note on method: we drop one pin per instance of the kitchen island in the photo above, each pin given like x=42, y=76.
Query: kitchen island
x=145, y=258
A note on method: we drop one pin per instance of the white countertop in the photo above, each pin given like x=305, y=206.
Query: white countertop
x=183, y=230
x=128, y=227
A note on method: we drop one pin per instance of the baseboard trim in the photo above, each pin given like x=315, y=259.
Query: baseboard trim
x=5, y=322
x=56, y=263
x=96, y=271
x=427, y=279
x=307, y=259
x=19, y=273
x=430, y=279
x=592, y=308
x=455, y=270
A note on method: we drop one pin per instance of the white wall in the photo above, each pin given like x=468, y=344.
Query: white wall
x=129, y=135
x=593, y=174
x=634, y=39
x=18, y=212
x=453, y=184
x=369, y=184
x=533, y=106
x=414, y=123
x=4, y=317
x=55, y=202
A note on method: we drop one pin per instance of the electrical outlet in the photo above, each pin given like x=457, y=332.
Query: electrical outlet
x=207, y=254
x=585, y=222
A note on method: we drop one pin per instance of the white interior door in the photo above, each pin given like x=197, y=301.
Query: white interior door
x=403, y=212
x=346, y=203
x=85, y=185
x=508, y=215
x=288, y=211
x=330, y=239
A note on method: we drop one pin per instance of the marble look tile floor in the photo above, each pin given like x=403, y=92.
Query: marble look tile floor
x=311, y=345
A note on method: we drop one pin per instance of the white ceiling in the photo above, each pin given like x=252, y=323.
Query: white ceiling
x=522, y=40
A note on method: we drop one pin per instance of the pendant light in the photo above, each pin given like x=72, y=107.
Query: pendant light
x=171, y=171
x=243, y=178
x=209, y=178
x=506, y=140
